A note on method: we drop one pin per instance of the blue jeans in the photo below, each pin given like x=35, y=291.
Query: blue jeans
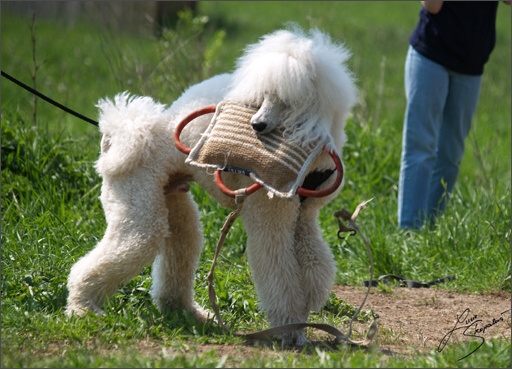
x=440, y=107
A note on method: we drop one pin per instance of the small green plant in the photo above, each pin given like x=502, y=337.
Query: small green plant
x=188, y=48
x=340, y=308
x=386, y=288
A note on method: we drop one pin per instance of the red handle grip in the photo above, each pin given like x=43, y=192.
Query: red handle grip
x=227, y=191
x=177, y=132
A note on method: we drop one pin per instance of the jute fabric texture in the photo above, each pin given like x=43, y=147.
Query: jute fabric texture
x=231, y=144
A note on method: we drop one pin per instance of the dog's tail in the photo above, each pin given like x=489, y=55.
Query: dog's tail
x=130, y=126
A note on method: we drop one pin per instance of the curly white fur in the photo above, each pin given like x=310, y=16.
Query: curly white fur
x=151, y=218
x=322, y=91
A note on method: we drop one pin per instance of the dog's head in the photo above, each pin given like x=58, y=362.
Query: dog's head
x=299, y=83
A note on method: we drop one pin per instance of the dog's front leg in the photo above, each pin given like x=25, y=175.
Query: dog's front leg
x=314, y=255
x=270, y=226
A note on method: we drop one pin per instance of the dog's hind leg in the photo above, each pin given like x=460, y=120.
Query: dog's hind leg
x=315, y=258
x=136, y=227
x=97, y=275
x=175, y=266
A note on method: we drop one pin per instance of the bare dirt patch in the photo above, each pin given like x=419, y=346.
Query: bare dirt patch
x=410, y=320
x=417, y=319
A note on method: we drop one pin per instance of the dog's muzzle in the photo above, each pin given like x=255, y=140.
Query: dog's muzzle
x=259, y=126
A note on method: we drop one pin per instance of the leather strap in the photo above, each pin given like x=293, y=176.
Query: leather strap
x=338, y=335
x=407, y=282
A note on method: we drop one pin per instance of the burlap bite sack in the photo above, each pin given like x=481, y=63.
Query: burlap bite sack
x=231, y=144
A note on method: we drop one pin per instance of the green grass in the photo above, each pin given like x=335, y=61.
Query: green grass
x=51, y=214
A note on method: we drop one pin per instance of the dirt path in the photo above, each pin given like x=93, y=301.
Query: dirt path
x=419, y=318
x=409, y=321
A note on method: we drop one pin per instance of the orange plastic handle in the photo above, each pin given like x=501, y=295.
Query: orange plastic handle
x=177, y=132
x=227, y=191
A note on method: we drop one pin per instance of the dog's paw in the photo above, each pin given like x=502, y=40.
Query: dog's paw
x=201, y=315
x=74, y=309
x=295, y=339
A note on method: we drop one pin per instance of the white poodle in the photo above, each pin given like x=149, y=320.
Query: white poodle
x=299, y=81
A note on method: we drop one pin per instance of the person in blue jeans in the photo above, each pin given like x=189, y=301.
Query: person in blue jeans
x=443, y=71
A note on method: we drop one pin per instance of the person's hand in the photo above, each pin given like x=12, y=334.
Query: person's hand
x=433, y=7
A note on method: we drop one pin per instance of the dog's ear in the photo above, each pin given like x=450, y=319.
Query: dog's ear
x=105, y=143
